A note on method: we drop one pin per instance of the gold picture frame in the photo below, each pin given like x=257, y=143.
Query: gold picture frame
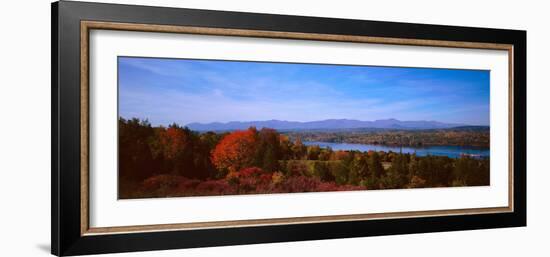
x=85, y=28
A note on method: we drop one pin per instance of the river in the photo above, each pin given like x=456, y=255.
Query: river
x=447, y=150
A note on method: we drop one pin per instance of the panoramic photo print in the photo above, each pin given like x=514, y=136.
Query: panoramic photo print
x=212, y=127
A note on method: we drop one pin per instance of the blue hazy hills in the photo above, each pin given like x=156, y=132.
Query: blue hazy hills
x=329, y=124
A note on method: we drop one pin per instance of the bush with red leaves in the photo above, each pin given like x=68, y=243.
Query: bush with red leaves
x=251, y=180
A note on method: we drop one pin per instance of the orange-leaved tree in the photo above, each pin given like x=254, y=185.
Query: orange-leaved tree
x=235, y=151
x=183, y=151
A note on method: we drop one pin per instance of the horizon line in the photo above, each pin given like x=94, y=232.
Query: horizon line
x=331, y=119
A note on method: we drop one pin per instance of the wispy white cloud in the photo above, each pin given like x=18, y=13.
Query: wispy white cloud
x=202, y=91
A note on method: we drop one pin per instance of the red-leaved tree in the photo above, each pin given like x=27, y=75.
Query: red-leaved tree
x=235, y=151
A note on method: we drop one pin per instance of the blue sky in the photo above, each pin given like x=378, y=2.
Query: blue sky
x=185, y=91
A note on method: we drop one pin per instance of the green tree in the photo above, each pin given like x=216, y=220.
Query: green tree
x=471, y=172
x=268, y=152
x=396, y=177
x=375, y=171
x=375, y=166
x=358, y=170
x=339, y=171
x=413, y=165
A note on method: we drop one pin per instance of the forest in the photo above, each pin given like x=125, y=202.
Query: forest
x=459, y=136
x=174, y=161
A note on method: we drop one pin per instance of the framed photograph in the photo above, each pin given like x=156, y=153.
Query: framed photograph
x=178, y=128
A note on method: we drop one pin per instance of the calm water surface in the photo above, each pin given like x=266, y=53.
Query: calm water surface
x=450, y=150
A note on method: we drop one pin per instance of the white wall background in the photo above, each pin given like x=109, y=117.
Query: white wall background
x=25, y=127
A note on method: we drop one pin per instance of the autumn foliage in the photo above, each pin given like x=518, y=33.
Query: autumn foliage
x=235, y=151
x=176, y=161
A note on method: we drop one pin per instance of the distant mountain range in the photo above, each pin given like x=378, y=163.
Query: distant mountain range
x=330, y=124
